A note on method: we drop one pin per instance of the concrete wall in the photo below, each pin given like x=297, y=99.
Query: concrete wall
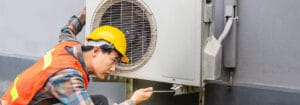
x=267, y=70
x=268, y=39
x=32, y=27
x=28, y=29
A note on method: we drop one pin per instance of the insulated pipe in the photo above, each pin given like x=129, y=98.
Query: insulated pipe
x=226, y=30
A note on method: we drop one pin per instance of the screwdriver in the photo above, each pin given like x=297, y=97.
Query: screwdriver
x=163, y=91
x=173, y=89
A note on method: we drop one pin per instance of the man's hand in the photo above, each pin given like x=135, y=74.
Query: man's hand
x=81, y=16
x=141, y=95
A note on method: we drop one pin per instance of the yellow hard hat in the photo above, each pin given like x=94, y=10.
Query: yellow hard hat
x=112, y=35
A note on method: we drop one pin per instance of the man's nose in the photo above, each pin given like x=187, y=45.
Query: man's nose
x=113, y=68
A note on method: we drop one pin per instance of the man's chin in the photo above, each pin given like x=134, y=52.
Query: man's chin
x=103, y=76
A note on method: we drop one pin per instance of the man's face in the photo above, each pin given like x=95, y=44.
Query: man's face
x=104, y=64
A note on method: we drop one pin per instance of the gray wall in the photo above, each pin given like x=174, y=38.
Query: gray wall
x=268, y=39
x=267, y=70
x=268, y=43
x=32, y=27
x=28, y=29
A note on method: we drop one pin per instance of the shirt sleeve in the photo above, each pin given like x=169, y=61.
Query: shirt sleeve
x=73, y=27
x=68, y=87
x=127, y=102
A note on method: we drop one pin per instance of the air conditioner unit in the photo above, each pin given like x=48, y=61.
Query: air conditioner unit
x=163, y=37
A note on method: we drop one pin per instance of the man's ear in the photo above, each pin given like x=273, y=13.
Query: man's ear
x=96, y=50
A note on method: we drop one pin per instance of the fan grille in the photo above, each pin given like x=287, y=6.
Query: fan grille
x=133, y=19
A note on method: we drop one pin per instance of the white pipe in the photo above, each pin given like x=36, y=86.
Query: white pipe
x=226, y=29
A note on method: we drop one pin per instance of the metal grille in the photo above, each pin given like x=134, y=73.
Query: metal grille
x=133, y=21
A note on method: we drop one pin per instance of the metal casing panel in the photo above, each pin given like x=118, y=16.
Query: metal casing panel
x=177, y=55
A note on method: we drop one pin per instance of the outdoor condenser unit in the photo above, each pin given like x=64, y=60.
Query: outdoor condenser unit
x=163, y=37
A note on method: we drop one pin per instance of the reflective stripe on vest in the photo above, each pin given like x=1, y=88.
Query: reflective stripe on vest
x=14, y=92
x=31, y=80
x=48, y=59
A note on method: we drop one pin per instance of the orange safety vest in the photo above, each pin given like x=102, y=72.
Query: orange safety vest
x=30, y=81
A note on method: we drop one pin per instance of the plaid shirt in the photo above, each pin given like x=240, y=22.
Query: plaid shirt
x=67, y=85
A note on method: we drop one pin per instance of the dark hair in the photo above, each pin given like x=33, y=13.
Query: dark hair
x=105, y=49
x=108, y=48
x=86, y=48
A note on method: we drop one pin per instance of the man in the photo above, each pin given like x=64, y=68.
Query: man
x=62, y=75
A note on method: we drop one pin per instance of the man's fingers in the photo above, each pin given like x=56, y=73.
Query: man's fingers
x=148, y=89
